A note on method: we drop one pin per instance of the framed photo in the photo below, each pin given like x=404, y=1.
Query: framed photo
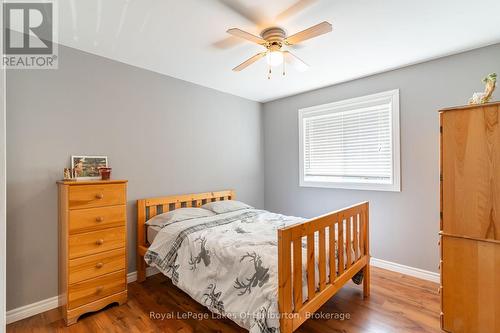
x=87, y=167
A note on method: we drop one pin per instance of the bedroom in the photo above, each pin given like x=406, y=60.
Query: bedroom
x=149, y=86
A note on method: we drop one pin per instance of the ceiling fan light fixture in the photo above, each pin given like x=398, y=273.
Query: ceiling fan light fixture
x=274, y=58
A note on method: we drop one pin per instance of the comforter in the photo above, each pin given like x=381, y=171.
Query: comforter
x=227, y=262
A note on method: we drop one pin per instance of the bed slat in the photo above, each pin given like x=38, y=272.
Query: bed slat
x=348, y=242
x=321, y=259
x=311, y=288
x=355, y=219
x=361, y=234
x=331, y=250
x=152, y=211
x=297, y=273
x=340, y=245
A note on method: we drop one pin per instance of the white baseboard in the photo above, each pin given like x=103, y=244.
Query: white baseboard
x=132, y=277
x=31, y=309
x=407, y=270
x=53, y=302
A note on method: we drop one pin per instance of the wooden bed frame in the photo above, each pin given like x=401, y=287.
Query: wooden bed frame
x=352, y=221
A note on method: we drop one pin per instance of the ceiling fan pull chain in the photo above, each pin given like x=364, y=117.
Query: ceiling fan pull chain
x=269, y=74
x=283, y=68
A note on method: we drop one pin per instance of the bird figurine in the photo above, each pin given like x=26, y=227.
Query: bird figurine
x=484, y=97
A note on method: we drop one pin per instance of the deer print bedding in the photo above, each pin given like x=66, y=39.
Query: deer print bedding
x=227, y=262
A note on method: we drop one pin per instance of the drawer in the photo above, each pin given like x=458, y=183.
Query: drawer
x=96, y=265
x=88, y=196
x=91, y=290
x=90, y=219
x=96, y=242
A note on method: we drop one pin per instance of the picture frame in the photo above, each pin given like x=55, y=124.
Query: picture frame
x=87, y=167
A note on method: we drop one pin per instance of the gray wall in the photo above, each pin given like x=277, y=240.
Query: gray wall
x=164, y=135
x=404, y=226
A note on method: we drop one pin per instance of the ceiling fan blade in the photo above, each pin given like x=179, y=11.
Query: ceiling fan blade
x=248, y=13
x=249, y=61
x=314, y=31
x=294, y=9
x=295, y=61
x=246, y=35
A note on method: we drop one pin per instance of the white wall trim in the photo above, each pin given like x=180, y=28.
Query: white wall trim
x=407, y=270
x=32, y=309
x=132, y=277
x=53, y=302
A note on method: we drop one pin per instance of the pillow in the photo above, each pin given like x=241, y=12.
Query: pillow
x=177, y=215
x=226, y=206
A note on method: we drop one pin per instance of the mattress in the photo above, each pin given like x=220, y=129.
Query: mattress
x=151, y=233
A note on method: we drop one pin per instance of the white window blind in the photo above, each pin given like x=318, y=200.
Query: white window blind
x=352, y=143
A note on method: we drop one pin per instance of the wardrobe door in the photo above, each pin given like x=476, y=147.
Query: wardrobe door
x=471, y=172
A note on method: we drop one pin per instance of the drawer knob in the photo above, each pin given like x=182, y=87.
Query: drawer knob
x=99, y=265
x=99, y=241
x=99, y=289
x=99, y=196
x=99, y=219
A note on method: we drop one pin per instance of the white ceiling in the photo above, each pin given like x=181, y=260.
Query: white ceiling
x=186, y=39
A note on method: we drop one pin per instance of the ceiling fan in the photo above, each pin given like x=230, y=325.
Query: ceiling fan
x=273, y=39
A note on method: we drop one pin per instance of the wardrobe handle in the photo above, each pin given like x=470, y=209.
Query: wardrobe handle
x=99, y=265
x=99, y=241
x=99, y=219
x=99, y=196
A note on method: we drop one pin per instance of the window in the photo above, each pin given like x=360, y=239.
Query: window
x=351, y=144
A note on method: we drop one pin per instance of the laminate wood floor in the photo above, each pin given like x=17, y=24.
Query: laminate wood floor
x=398, y=303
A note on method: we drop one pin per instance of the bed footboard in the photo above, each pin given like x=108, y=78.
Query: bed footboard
x=347, y=228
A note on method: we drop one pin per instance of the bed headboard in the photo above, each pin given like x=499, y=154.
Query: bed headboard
x=148, y=208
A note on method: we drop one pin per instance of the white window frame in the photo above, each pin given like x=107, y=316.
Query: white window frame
x=395, y=184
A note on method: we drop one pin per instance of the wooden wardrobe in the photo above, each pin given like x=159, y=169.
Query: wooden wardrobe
x=470, y=218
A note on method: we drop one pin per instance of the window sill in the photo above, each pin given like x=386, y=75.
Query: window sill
x=352, y=186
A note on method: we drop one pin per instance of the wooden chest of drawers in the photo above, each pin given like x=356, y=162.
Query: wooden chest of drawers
x=92, y=246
